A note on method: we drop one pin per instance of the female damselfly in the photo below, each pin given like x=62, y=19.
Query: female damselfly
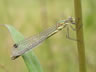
x=31, y=42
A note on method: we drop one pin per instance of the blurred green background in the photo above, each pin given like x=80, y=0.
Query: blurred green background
x=57, y=54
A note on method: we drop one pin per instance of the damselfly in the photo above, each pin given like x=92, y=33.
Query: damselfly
x=31, y=42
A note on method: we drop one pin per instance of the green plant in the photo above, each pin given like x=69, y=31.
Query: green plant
x=29, y=58
x=79, y=34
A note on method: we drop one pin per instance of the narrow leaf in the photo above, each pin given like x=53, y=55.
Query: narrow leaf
x=30, y=59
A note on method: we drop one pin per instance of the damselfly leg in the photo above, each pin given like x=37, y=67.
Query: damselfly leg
x=72, y=22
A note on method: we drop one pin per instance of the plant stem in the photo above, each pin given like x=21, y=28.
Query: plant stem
x=79, y=34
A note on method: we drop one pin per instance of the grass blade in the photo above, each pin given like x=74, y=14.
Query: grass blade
x=30, y=59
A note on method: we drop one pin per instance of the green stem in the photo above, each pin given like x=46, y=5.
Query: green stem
x=79, y=34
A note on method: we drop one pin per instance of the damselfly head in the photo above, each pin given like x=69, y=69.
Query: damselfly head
x=71, y=20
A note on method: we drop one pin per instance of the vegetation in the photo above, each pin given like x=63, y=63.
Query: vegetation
x=57, y=54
